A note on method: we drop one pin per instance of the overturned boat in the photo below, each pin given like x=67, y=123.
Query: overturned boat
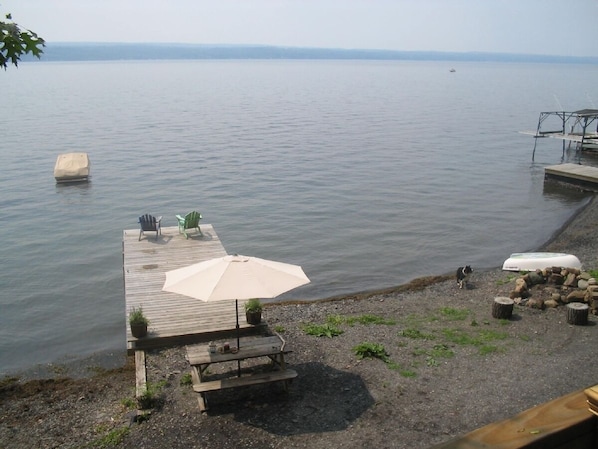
x=539, y=261
x=72, y=167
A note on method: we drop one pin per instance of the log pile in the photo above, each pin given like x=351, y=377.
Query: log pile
x=559, y=286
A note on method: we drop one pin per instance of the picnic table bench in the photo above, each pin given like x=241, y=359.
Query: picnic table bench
x=273, y=347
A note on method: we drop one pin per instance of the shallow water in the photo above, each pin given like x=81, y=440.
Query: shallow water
x=366, y=173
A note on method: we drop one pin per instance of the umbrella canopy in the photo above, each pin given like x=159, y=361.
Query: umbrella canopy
x=235, y=277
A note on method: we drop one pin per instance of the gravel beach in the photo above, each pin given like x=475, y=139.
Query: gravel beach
x=447, y=368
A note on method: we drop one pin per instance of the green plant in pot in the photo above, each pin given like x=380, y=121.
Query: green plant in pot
x=138, y=322
x=253, y=311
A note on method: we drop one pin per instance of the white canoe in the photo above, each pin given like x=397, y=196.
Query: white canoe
x=539, y=261
x=71, y=167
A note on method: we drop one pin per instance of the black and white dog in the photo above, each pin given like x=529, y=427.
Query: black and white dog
x=463, y=274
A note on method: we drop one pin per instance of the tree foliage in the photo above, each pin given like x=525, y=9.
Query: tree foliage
x=16, y=42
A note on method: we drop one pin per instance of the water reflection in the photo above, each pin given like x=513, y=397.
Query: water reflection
x=71, y=189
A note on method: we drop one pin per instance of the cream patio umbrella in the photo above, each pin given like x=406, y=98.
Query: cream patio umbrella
x=235, y=277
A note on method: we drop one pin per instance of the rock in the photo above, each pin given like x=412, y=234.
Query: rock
x=520, y=285
x=536, y=278
x=585, y=276
x=555, y=297
x=582, y=283
x=588, y=297
x=557, y=279
x=571, y=280
x=576, y=296
x=535, y=303
x=551, y=303
x=519, y=294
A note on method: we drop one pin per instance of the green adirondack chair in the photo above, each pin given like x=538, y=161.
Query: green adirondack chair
x=189, y=221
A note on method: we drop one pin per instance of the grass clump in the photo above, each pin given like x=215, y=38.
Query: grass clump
x=372, y=319
x=186, y=379
x=402, y=371
x=489, y=349
x=333, y=322
x=128, y=403
x=453, y=314
x=416, y=334
x=459, y=337
x=481, y=339
x=366, y=320
x=322, y=330
x=150, y=398
x=506, y=280
x=442, y=351
x=371, y=351
x=111, y=439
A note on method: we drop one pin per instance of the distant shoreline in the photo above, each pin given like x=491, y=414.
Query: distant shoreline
x=107, y=51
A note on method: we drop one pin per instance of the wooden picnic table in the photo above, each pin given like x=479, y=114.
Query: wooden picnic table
x=273, y=347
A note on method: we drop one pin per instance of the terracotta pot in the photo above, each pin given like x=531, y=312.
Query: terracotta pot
x=139, y=330
x=253, y=317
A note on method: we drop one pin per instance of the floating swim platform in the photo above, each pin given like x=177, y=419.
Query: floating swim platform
x=539, y=261
x=72, y=167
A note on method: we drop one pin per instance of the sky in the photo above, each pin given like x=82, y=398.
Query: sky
x=542, y=27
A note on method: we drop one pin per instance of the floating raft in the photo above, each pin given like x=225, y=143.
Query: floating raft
x=581, y=176
x=539, y=261
x=72, y=167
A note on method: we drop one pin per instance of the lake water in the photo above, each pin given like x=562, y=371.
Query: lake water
x=367, y=174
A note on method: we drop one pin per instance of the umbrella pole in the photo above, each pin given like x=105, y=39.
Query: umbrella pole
x=238, y=340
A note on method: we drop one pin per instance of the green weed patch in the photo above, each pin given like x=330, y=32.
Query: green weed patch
x=371, y=350
x=322, y=330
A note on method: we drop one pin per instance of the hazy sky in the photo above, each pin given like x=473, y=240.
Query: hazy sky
x=556, y=27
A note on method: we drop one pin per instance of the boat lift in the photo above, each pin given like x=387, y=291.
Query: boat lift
x=574, y=127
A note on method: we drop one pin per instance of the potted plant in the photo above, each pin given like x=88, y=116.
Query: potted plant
x=253, y=311
x=138, y=322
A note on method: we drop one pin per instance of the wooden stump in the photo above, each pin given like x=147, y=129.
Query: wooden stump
x=577, y=313
x=502, y=307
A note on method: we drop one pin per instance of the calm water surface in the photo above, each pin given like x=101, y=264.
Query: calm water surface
x=367, y=174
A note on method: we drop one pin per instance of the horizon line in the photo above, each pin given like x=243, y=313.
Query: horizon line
x=343, y=49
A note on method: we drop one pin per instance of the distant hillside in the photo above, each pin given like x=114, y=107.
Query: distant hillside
x=122, y=51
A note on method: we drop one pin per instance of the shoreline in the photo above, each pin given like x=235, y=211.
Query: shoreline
x=431, y=389
x=87, y=366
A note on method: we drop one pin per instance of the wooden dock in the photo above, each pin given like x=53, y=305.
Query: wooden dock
x=174, y=319
x=581, y=176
